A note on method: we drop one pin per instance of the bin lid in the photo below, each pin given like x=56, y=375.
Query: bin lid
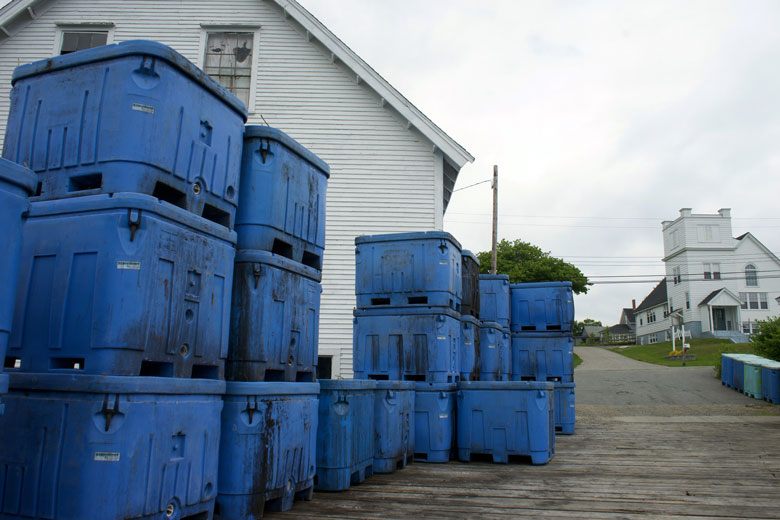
x=280, y=262
x=346, y=384
x=422, y=386
x=93, y=384
x=405, y=237
x=395, y=385
x=490, y=325
x=468, y=318
x=267, y=388
x=408, y=311
x=258, y=131
x=18, y=175
x=471, y=256
x=131, y=48
x=500, y=277
x=506, y=385
x=127, y=200
x=539, y=285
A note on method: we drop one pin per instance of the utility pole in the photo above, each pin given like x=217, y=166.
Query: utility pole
x=493, y=266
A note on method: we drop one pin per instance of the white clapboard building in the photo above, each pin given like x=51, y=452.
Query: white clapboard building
x=392, y=168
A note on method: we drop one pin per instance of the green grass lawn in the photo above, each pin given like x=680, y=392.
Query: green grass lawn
x=707, y=350
x=577, y=360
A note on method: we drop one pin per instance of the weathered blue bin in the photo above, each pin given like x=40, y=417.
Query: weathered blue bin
x=505, y=419
x=770, y=381
x=434, y=421
x=542, y=306
x=130, y=117
x=543, y=357
x=505, y=355
x=16, y=184
x=739, y=372
x=282, y=207
x=122, y=285
x=470, y=351
x=470, y=277
x=75, y=447
x=492, y=346
x=752, y=377
x=402, y=269
x=727, y=370
x=564, y=408
x=393, y=425
x=411, y=344
x=274, y=319
x=345, y=444
x=267, y=447
x=494, y=298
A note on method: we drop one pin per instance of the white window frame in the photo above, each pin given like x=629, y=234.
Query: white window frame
x=676, y=275
x=687, y=300
x=751, y=280
x=205, y=29
x=712, y=269
x=63, y=27
x=709, y=233
x=652, y=339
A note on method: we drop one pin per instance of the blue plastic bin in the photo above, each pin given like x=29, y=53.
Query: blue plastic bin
x=434, y=421
x=543, y=357
x=16, y=184
x=130, y=117
x=505, y=356
x=491, y=344
x=393, y=425
x=506, y=419
x=739, y=372
x=267, y=450
x=470, y=269
x=411, y=344
x=345, y=446
x=470, y=352
x=403, y=269
x=74, y=447
x=282, y=207
x=494, y=298
x=564, y=408
x=542, y=306
x=122, y=285
x=727, y=370
x=274, y=319
x=752, y=377
x=770, y=381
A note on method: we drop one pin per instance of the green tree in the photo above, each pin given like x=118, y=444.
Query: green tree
x=579, y=326
x=525, y=262
x=767, y=339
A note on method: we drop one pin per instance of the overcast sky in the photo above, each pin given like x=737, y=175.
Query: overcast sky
x=604, y=118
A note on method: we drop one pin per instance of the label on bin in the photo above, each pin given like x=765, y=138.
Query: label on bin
x=491, y=346
x=147, y=109
x=443, y=416
x=443, y=262
x=134, y=266
x=107, y=456
x=441, y=337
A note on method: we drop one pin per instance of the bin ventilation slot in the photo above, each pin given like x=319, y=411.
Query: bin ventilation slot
x=421, y=456
x=38, y=189
x=519, y=459
x=417, y=300
x=282, y=248
x=13, y=362
x=311, y=260
x=481, y=457
x=216, y=215
x=378, y=377
x=66, y=363
x=554, y=379
x=414, y=377
x=156, y=369
x=205, y=372
x=274, y=375
x=92, y=181
x=171, y=195
x=559, y=428
x=553, y=327
x=528, y=327
x=380, y=301
x=199, y=516
x=304, y=377
x=527, y=378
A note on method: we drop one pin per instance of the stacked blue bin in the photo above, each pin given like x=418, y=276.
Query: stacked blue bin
x=470, y=356
x=407, y=327
x=495, y=350
x=16, y=184
x=542, y=315
x=120, y=329
x=269, y=447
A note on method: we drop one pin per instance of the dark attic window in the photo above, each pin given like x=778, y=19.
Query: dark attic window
x=73, y=41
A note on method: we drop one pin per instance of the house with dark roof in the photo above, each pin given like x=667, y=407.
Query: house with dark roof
x=716, y=285
x=392, y=168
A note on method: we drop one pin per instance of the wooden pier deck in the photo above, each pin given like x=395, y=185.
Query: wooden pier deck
x=642, y=466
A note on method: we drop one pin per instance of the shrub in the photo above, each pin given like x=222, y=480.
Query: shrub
x=767, y=339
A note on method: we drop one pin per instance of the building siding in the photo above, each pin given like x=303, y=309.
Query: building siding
x=382, y=173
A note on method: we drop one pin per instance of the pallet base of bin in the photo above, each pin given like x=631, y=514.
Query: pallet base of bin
x=251, y=507
x=392, y=465
x=343, y=478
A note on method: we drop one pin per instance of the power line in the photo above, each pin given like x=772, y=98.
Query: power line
x=471, y=185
